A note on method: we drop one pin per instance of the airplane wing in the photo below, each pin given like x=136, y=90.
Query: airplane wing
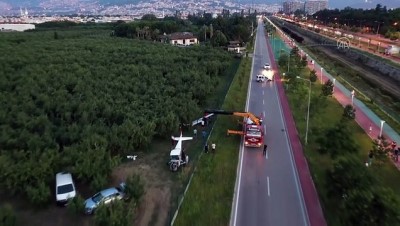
x=181, y=138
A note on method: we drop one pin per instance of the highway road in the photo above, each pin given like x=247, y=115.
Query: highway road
x=268, y=191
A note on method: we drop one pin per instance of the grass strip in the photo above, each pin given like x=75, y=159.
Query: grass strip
x=385, y=173
x=209, y=198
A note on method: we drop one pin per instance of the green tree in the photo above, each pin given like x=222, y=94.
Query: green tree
x=7, y=215
x=346, y=174
x=337, y=141
x=327, y=88
x=134, y=188
x=349, y=112
x=116, y=213
x=377, y=206
x=76, y=205
x=313, y=76
x=219, y=39
x=149, y=17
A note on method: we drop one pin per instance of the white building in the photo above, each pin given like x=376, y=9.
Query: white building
x=182, y=38
x=16, y=27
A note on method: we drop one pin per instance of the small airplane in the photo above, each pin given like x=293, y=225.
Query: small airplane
x=177, y=155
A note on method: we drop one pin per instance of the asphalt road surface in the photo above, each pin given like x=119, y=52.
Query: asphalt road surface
x=268, y=189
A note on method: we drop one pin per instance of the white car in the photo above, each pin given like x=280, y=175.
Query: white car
x=65, y=188
x=267, y=66
x=260, y=78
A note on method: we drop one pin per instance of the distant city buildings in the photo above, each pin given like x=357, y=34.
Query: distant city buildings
x=311, y=7
x=308, y=7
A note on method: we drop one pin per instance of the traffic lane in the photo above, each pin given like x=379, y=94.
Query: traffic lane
x=280, y=163
x=253, y=188
x=252, y=209
x=279, y=167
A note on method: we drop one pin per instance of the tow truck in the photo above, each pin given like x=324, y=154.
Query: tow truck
x=252, y=130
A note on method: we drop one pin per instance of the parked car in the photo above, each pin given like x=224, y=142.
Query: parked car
x=65, y=188
x=105, y=197
x=267, y=66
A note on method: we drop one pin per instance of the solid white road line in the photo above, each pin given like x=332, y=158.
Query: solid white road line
x=268, y=186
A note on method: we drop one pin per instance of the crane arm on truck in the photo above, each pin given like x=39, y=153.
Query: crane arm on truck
x=252, y=131
x=256, y=120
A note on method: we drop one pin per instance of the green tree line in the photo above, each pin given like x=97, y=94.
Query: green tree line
x=387, y=20
x=234, y=27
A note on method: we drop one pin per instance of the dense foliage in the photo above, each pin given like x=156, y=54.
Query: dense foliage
x=231, y=28
x=121, y=213
x=77, y=102
x=388, y=21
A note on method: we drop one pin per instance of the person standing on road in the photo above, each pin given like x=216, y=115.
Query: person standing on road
x=265, y=150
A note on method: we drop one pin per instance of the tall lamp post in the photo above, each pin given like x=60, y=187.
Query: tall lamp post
x=380, y=132
x=333, y=88
x=288, y=63
x=308, y=108
x=321, y=75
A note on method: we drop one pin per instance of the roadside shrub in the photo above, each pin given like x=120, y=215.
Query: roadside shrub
x=116, y=213
x=349, y=112
x=39, y=194
x=134, y=188
x=76, y=205
x=7, y=215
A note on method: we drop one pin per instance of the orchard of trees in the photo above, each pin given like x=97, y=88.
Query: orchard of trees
x=78, y=100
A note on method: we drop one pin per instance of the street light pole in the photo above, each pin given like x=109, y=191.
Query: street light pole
x=380, y=132
x=333, y=88
x=308, y=108
x=352, y=98
x=321, y=75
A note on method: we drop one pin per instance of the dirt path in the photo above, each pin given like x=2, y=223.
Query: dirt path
x=155, y=204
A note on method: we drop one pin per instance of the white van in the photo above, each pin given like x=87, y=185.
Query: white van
x=65, y=188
